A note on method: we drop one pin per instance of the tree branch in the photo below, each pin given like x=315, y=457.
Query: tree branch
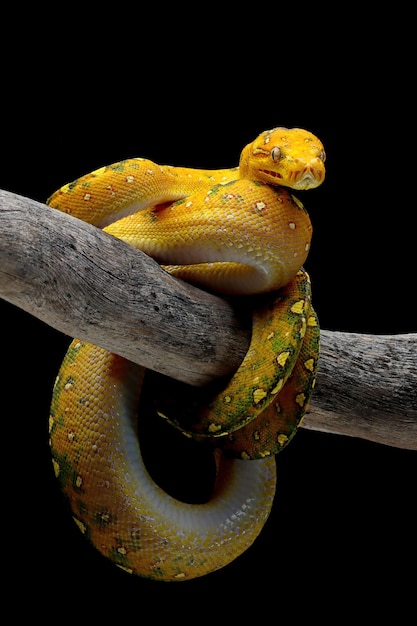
x=89, y=285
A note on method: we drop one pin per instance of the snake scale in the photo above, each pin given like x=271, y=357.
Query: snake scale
x=239, y=232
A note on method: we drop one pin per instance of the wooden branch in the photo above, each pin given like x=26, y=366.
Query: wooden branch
x=367, y=388
x=90, y=285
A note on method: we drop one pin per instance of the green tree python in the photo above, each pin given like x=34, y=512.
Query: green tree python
x=239, y=232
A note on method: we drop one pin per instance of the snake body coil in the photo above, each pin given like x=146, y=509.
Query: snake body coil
x=237, y=231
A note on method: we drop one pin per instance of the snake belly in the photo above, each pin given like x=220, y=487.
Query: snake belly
x=254, y=237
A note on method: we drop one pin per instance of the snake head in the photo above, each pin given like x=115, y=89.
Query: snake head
x=291, y=157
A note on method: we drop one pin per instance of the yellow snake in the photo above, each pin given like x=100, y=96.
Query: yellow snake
x=236, y=231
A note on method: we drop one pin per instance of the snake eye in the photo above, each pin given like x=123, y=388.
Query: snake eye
x=275, y=154
x=322, y=156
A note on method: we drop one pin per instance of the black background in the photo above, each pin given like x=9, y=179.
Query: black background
x=81, y=95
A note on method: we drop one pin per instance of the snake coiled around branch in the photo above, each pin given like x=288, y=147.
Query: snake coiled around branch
x=239, y=232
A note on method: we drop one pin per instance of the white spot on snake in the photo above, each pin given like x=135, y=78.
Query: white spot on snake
x=292, y=225
x=309, y=364
x=300, y=399
x=130, y=179
x=298, y=307
x=150, y=172
x=87, y=196
x=282, y=358
x=258, y=395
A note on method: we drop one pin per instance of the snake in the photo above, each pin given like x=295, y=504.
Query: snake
x=239, y=232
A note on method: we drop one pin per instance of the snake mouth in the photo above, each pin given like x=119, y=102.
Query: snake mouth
x=307, y=180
